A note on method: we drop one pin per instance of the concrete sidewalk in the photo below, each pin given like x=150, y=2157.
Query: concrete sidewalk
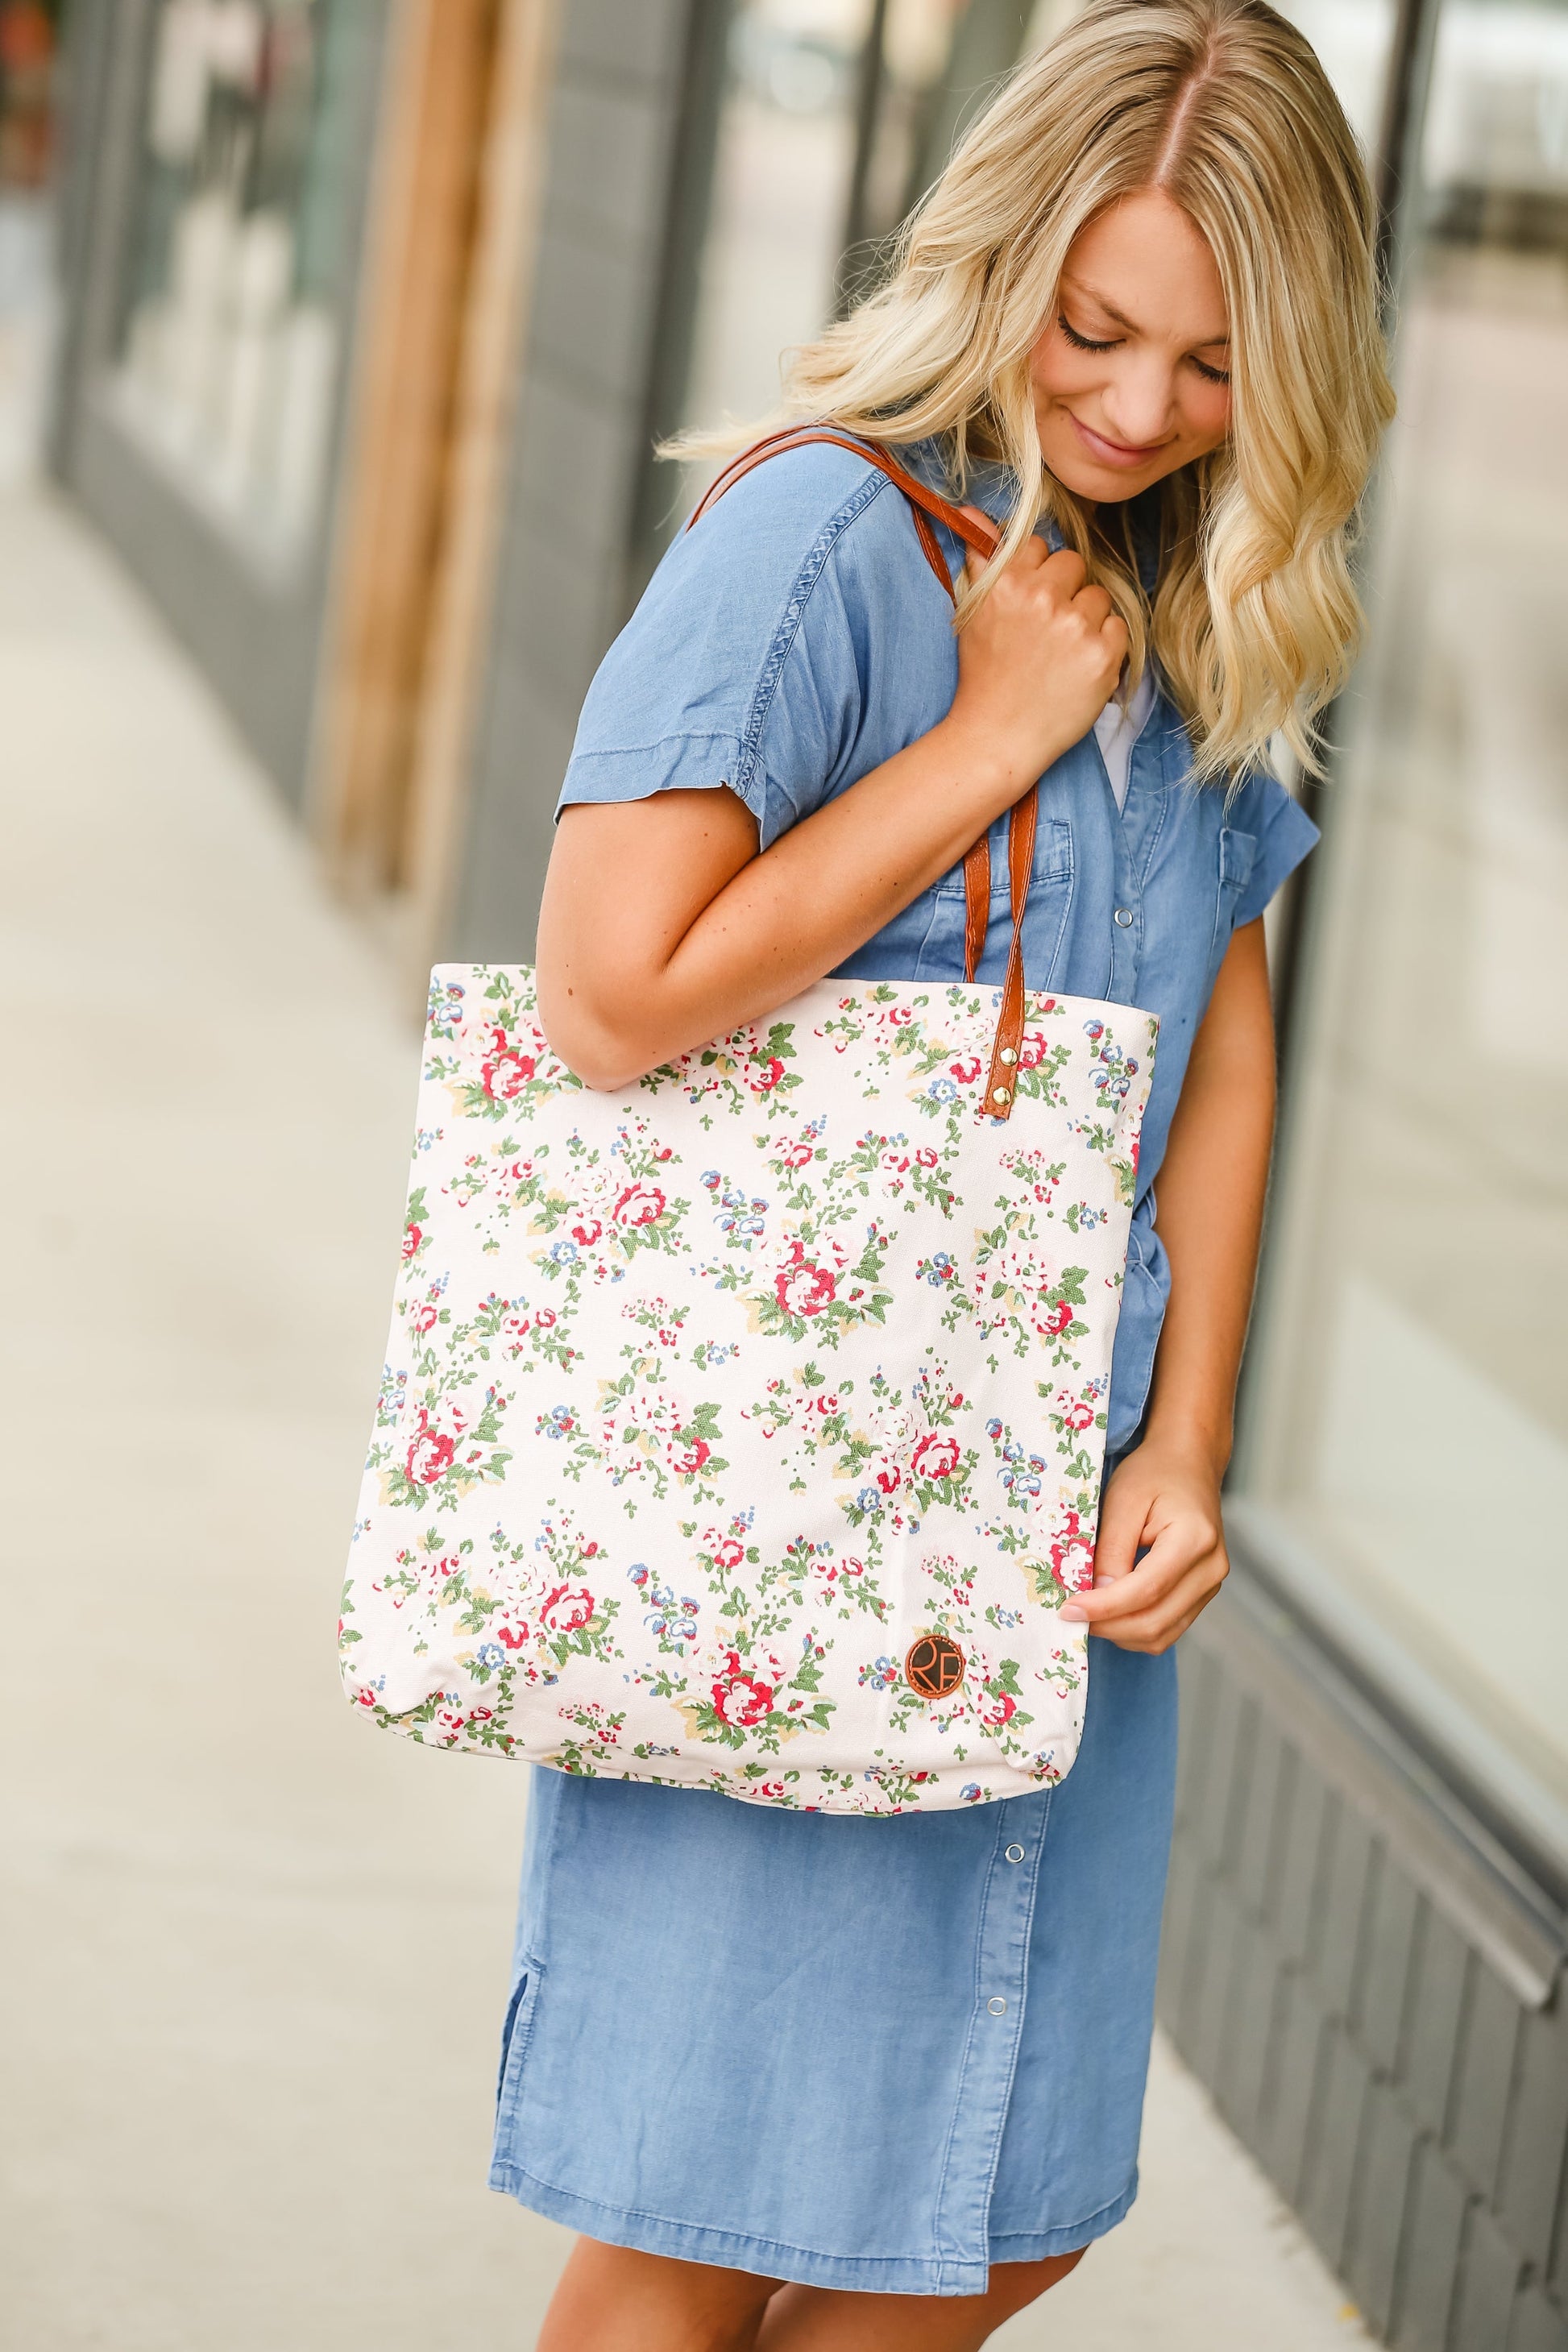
x=256, y=1957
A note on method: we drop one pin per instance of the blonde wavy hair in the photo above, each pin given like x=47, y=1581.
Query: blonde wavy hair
x=1255, y=620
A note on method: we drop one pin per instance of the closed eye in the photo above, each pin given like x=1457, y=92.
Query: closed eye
x=1084, y=343
x=1211, y=374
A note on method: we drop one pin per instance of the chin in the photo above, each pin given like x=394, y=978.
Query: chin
x=1103, y=485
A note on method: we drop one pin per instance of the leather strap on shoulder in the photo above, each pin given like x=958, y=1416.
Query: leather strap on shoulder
x=923, y=503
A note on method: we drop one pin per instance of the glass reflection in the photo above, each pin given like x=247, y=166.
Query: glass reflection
x=1418, y=1433
x=230, y=342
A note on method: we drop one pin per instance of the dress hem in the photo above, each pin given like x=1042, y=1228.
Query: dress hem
x=692, y=2242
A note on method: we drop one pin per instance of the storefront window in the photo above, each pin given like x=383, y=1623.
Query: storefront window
x=822, y=148
x=231, y=342
x=1410, y=1431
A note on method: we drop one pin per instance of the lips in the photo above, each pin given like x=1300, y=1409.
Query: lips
x=1114, y=453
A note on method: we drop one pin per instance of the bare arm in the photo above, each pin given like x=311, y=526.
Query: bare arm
x=663, y=927
x=1165, y=1496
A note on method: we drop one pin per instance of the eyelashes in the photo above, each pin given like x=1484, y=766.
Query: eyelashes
x=1088, y=343
x=1083, y=342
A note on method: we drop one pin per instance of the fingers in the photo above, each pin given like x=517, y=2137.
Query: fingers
x=1094, y=606
x=1121, y=1516
x=1145, y=1607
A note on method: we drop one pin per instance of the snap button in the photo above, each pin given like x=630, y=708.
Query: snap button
x=1123, y=918
x=1014, y=1854
x=997, y=2005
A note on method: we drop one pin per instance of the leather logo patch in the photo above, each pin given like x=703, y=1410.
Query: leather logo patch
x=934, y=1666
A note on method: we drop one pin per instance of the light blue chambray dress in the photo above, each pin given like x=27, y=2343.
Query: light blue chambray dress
x=875, y=2053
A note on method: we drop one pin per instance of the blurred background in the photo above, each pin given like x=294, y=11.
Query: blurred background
x=334, y=339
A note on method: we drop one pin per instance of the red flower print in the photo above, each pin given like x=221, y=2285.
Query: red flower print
x=997, y=1709
x=804, y=1289
x=763, y=1073
x=1072, y=1555
x=429, y=1455
x=797, y=1155
x=567, y=1609
x=514, y=1637
x=687, y=1454
x=740, y=1699
x=412, y=1237
x=423, y=1317
x=587, y=1233
x=506, y=1073
x=639, y=1204
x=935, y=1456
x=1077, y=1415
x=729, y=1553
x=965, y=1071
x=1032, y=1051
x=1056, y=1319
x=544, y=1318
x=889, y=1477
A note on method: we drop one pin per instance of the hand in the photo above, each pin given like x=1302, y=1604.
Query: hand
x=1038, y=662
x=1165, y=1497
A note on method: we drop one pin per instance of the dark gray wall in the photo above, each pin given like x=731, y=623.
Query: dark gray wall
x=1373, y=1991
x=625, y=192
x=258, y=639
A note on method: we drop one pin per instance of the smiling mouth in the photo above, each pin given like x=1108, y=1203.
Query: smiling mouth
x=1114, y=453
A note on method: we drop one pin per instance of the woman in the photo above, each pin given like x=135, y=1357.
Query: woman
x=810, y=2081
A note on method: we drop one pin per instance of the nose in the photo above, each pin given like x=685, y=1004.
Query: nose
x=1139, y=400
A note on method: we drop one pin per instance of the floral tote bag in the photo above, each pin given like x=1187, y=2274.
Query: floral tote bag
x=744, y=1430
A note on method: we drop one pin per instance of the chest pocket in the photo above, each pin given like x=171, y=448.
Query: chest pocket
x=1044, y=924
x=1238, y=854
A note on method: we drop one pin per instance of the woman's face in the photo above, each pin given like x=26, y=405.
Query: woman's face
x=1131, y=375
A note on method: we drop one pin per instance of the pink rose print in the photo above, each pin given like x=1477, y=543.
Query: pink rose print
x=729, y=1553
x=430, y=1455
x=687, y=1454
x=997, y=1709
x=639, y=1204
x=423, y=1317
x=412, y=1237
x=1072, y=1555
x=1032, y=1051
x=802, y=1288
x=935, y=1456
x=797, y=1155
x=506, y=1072
x=1076, y=1414
x=567, y=1609
x=544, y=1318
x=1056, y=1319
x=740, y=1699
x=763, y=1073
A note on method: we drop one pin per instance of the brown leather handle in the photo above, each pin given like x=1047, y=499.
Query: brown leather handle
x=1001, y=1085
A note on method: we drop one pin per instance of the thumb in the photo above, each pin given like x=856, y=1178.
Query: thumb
x=1123, y=1518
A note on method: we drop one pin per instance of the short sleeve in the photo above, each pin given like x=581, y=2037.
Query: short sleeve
x=1284, y=834
x=740, y=665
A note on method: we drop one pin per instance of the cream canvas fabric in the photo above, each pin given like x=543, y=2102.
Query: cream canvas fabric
x=744, y=1430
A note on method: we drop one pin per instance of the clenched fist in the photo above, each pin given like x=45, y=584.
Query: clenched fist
x=1038, y=663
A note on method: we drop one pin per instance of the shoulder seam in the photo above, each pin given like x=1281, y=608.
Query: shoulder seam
x=811, y=570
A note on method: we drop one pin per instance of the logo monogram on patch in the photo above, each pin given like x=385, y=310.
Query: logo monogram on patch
x=934, y=1666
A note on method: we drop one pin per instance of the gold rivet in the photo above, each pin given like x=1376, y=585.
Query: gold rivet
x=1007, y=1055
x=1001, y=1094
